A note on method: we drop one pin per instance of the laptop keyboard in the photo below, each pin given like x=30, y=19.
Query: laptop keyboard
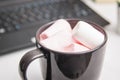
x=20, y=17
x=14, y=18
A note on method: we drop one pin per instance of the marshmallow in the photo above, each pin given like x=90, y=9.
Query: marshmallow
x=68, y=48
x=74, y=47
x=61, y=37
x=80, y=48
x=58, y=26
x=58, y=41
x=87, y=35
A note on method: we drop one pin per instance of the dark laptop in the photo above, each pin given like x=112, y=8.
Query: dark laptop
x=19, y=19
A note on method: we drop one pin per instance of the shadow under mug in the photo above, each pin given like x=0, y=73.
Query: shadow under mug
x=57, y=65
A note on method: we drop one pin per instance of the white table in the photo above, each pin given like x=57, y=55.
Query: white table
x=111, y=67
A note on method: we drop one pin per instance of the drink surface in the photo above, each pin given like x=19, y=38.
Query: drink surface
x=61, y=37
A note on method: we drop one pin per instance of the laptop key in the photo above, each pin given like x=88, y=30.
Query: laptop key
x=8, y=27
x=17, y=27
x=2, y=30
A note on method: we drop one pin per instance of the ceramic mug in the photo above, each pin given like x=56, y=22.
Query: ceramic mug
x=58, y=65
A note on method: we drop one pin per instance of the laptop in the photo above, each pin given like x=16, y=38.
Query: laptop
x=20, y=19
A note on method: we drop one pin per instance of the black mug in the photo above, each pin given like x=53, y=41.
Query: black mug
x=84, y=65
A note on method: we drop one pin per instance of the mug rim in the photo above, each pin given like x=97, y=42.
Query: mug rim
x=96, y=26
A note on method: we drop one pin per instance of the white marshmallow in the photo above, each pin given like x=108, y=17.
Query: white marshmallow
x=87, y=35
x=58, y=26
x=74, y=47
x=79, y=48
x=58, y=41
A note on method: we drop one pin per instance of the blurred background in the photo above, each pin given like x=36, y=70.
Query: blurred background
x=19, y=21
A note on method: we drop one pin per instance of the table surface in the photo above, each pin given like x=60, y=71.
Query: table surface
x=111, y=67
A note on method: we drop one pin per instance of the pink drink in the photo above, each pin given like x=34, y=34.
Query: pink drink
x=61, y=37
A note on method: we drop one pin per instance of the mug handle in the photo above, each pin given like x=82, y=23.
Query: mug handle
x=27, y=59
